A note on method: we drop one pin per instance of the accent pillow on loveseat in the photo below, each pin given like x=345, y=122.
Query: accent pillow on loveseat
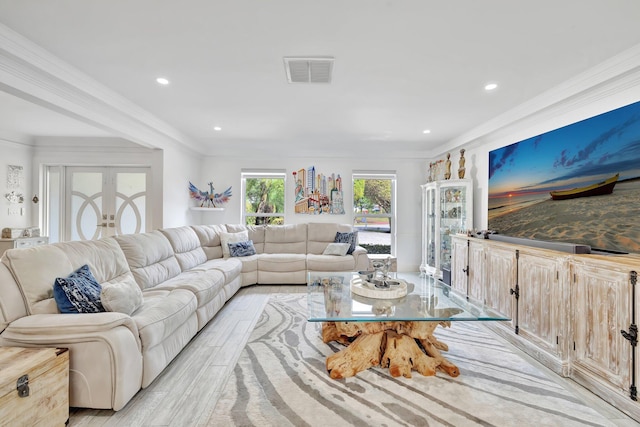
x=78, y=293
x=226, y=238
x=350, y=237
x=122, y=297
x=240, y=249
x=339, y=249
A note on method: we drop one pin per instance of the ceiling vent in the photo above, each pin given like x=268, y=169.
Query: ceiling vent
x=309, y=69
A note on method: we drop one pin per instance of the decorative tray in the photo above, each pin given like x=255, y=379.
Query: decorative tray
x=397, y=289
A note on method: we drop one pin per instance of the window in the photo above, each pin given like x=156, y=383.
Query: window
x=374, y=211
x=263, y=195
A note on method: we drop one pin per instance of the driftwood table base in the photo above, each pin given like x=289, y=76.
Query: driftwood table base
x=400, y=346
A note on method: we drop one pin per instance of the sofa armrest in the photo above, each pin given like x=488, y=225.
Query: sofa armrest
x=359, y=250
x=361, y=258
x=49, y=328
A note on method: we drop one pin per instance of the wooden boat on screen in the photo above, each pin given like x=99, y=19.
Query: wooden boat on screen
x=599, y=189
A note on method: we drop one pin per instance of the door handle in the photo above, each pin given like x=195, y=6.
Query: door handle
x=104, y=224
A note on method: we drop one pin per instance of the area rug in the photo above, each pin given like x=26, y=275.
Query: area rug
x=281, y=380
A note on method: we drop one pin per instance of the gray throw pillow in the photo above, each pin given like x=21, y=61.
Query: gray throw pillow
x=351, y=238
x=339, y=249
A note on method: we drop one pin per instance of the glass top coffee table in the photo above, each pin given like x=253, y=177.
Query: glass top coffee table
x=395, y=333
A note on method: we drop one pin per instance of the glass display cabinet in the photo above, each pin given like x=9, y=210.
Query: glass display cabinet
x=447, y=208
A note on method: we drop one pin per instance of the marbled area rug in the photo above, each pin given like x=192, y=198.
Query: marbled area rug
x=281, y=380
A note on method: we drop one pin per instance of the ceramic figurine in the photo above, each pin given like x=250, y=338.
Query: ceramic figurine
x=447, y=166
x=461, y=167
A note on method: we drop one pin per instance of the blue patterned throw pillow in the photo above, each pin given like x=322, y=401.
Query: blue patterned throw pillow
x=78, y=293
x=242, y=249
x=351, y=238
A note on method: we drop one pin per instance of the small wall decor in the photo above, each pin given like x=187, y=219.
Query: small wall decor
x=209, y=199
x=14, y=197
x=14, y=177
x=316, y=193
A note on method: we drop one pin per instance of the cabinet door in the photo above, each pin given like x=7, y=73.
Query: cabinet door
x=539, y=316
x=476, y=270
x=602, y=299
x=459, y=265
x=429, y=236
x=501, y=278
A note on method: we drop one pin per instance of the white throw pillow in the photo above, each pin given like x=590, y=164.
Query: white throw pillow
x=226, y=238
x=123, y=297
x=339, y=249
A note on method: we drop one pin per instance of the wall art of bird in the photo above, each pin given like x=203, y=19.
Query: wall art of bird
x=209, y=199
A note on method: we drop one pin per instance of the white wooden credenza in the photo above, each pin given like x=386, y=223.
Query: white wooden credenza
x=22, y=242
x=574, y=313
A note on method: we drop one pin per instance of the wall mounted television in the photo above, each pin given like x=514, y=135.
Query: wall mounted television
x=578, y=184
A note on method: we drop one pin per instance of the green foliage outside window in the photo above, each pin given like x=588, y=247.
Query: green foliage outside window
x=372, y=195
x=372, y=212
x=264, y=196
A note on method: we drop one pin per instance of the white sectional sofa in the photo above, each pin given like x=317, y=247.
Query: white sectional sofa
x=162, y=287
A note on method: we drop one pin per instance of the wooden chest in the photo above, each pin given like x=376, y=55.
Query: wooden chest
x=34, y=386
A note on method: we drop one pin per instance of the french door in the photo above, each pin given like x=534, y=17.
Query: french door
x=105, y=201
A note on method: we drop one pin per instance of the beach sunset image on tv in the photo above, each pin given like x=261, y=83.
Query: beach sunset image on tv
x=577, y=184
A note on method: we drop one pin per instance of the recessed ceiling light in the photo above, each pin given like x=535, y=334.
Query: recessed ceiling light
x=217, y=128
x=490, y=86
x=426, y=131
x=162, y=81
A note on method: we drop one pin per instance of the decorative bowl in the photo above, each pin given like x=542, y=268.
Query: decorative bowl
x=367, y=276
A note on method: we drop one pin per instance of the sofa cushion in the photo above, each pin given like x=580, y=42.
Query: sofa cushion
x=285, y=239
x=338, y=249
x=351, y=238
x=150, y=257
x=162, y=314
x=256, y=234
x=320, y=234
x=229, y=267
x=209, y=236
x=123, y=297
x=186, y=246
x=241, y=249
x=104, y=257
x=331, y=263
x=244, y=264
x=282, y=262
x=204, y=284
x=79, y=292
x=226, y=238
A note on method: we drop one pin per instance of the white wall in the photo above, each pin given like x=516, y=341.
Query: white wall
x=411, y=173
x=17, y=154
x=179, y=167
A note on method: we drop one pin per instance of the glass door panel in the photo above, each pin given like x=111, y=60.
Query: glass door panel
x=130, y=200
x=85, y=191
x=452, y=220
x=104, y=202
x=431, y=227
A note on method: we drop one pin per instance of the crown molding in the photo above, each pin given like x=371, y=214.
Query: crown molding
x=614, y=76
x=32, y=73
